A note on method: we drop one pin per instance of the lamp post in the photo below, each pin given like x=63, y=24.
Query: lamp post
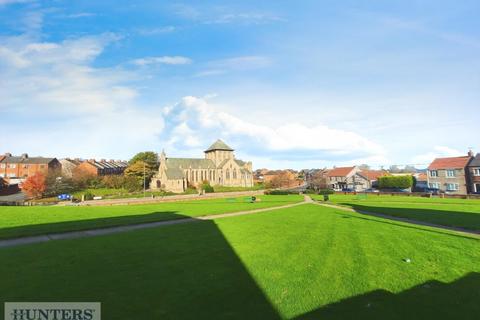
x=144, y=182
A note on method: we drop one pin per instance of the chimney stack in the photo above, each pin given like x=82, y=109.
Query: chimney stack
x=24, y=155
x=470, y=153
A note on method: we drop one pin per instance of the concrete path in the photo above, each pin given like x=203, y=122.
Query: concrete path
x=110, y=230
x=476, y=234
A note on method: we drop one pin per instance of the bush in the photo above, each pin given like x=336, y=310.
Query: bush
x=395, y=182
x=207, y=187
x=326, y=191
x=280, y=192
x=88, y=195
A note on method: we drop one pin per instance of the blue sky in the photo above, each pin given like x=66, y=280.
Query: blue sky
x=287, y=84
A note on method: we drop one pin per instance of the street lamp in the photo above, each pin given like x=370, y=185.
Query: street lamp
x=144, y=181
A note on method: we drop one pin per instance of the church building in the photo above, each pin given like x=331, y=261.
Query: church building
x=219, y=168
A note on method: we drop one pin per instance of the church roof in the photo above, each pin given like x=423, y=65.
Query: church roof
x=240, y=162
x=219, y=145
x=186, y=163
x=174, y=173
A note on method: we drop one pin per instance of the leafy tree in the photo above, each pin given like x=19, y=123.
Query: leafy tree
x=138, y=169
x=82, y=178
x=148, y=157
x=318, y=180
x=132, y=183
x=364, y=167
x=113, y=181
x=35, y=186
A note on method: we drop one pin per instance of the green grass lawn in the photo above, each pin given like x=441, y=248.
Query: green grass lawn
x=24, y=221
x=462, y=213
x=306, y=262
x=109, y=193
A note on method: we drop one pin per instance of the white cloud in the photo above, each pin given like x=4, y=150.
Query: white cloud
x=57, y=102
x=80, y=15
x=437, y=152
x=223, y=15
x=193, y=123
x=155, y=31
x=173, y=60
x=7, y=2
x=245, y=18
x=241, y=63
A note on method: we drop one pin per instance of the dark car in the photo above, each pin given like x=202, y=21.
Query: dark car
x=348, y=190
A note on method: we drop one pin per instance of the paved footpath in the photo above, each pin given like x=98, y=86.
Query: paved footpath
x=110, y=230
x=470, y=233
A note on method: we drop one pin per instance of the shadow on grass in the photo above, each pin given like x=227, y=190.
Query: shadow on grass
x=190, y=271
x=156, y=216
x=430, y=300
x=458, y=219
x=80, y=225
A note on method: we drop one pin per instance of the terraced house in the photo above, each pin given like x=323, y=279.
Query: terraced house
x=15, y=169
x=450, y=175
x=102, y=167
x=219, y=167
x=474, y=172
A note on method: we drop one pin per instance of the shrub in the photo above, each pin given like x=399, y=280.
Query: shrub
x=395, y=182
x=280, y=192
x=88, y=195
x=207, y=187
x=326, y=191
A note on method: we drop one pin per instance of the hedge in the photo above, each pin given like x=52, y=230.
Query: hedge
x=395, y=182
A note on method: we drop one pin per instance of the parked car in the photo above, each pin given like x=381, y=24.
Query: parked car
x=347, y=190
x=371, y=190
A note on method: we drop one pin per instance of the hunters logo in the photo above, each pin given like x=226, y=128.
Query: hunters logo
x=52, y=311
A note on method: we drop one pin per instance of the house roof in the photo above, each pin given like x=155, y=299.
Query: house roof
x=373, y=175
x=26, y=160
x=186, y=163
x=422, y=177
x=475, y=161
x=219, y=145
x=449, y=163
x=340, y=172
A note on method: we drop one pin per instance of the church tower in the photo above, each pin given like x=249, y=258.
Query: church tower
x=218, y=152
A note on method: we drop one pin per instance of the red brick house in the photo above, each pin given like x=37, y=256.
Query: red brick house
x=16, y=169
x=102, y=167
x=450, y=175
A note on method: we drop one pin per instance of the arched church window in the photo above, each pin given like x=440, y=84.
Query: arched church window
x=234, y=173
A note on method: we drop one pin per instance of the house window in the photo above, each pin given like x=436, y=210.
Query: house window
x=2, y=165
x=476, y=172
x=433, y=173
x=434, y=185
x=450, y=173
x=452, y=186
x=12, y=166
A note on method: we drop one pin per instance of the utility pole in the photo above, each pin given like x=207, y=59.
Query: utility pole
x=144, y=181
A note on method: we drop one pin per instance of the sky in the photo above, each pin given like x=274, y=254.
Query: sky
x=287, y=84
